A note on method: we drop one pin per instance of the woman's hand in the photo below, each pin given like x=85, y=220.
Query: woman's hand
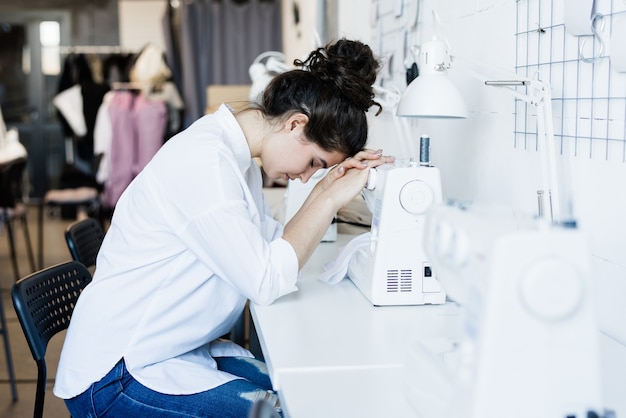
x=366, y=158
x=348, y=178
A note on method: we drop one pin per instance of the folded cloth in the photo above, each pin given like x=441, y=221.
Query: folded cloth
x=336, y=270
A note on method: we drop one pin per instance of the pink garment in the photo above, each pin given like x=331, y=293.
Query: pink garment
x=138, y=126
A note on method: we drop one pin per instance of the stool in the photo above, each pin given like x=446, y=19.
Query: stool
x=85, y=199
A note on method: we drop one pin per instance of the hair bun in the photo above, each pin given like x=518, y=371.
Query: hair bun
x=351, y=68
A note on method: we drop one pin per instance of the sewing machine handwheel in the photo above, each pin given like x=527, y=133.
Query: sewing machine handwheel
x=551, y=289
x=416, y=196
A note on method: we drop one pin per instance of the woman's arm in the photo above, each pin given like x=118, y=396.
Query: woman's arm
x=307, y=227
x=360, y=161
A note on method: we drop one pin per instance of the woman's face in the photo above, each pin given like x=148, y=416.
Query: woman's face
x=298, y=159
x=289, y=155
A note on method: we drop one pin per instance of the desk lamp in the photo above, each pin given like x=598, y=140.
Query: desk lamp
x=432, y=94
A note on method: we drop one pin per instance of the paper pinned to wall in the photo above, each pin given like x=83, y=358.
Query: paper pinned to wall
x=618, y=39
x=578, y=15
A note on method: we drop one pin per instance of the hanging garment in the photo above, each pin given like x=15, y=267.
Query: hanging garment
x=69, y=103
x=75, y=72
x=93, y=94
x=168, y=93
x=10, y=146
x=102, y=137
x=138, y=128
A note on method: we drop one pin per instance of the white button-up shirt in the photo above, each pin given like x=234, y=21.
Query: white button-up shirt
x=190, y=241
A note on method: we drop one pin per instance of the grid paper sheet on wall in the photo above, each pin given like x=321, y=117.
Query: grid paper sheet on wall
x=587, y=74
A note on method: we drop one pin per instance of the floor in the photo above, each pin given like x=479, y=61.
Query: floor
x=55, y=251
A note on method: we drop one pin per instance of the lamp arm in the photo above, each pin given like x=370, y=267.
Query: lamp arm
x=545, y=130
x=541, y=99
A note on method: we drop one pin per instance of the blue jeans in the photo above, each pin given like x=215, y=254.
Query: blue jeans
x=119, y=395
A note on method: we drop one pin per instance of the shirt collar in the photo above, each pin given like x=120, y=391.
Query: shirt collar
x=234, y=138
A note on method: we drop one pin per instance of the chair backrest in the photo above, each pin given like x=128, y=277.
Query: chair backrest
x=44, y=302
x=11, y=174
x=84, y=238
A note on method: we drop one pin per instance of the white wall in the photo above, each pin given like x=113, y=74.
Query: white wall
x=300, y=21
x=477, y=156
x=140, y=23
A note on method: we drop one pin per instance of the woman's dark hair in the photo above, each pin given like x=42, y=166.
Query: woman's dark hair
x=334, y=89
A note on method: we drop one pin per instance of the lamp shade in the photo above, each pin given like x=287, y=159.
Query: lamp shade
x=432, y=94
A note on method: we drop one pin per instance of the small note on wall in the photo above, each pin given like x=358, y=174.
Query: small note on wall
x=578, y=15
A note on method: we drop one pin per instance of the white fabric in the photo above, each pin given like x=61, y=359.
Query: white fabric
x=336, y=270
x=224, y=348
x=150, y=66
x=103, y=137
x=10, y=146
x=190, y=240
x=70, y=104
x=265, y=67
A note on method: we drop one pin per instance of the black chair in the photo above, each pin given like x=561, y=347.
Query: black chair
x=44, y=302
x=84, y=239
x=12, y=209
x=7, y=351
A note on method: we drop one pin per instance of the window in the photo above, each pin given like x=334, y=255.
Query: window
x=50, y=39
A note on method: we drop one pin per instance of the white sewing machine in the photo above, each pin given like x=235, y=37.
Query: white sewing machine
x=393, y=269
x=530, y=342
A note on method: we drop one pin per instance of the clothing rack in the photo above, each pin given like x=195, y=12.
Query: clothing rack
x=131, y=85
x=95, y=49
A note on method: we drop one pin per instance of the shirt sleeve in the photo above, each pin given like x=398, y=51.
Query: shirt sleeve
x=231, y=244
x=202, y=191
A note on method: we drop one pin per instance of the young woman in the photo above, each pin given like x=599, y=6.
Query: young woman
x=191, y=240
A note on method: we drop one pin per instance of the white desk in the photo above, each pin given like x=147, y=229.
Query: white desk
x=331, y=353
